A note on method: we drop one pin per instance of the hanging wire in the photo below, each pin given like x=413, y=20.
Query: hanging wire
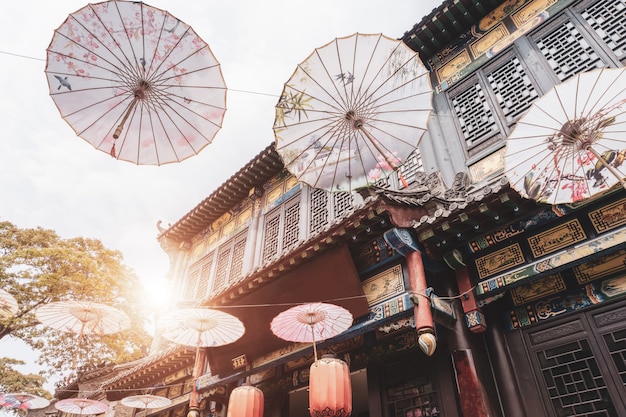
x=259, y=93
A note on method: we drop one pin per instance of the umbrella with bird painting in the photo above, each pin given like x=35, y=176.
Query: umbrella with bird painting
x=570, y=145
x=136, y=82
x=352, y=112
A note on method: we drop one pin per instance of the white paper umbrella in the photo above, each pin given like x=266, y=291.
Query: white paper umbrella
x=136, y=82
x=571, y=143
x=352, y=112
x=23, y=401
x=8, y=304
x=201, y=327
x=146, y=401
x=81, y=406
x=83, y=317
x=311, y=323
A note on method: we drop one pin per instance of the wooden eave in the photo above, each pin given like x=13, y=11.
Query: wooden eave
x=446, y=24
x=259, y=170
x=443, y=224
x=149, y=371
x=361, y=220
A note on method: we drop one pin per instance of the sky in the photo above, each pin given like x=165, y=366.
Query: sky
x=51, y=178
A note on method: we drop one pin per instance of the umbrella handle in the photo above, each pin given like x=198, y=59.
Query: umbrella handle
x=608, y=166
x=314, y=347
x=358, y=124
x=120, y=127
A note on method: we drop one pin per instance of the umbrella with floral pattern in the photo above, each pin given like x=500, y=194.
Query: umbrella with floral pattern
x=352, y=112
x=570, y=145
x=136, y=82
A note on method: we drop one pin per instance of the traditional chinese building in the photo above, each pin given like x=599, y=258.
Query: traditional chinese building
x=527, y=299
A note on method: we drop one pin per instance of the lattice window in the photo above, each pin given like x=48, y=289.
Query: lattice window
x=412, y=397
x=342, y=202
x=205, y=277
x=236, y=267
x=192, y=284
x=568, y=52
x=270, y=242
x=574, y=382
x=319, y=210
x=513, y=89
x=221, y=275
x=607, y=20
x=409, y=168
x=616, y=344
x=292, y=225
x=474, y=115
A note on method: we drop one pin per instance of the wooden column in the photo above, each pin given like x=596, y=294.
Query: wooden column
x=474, y=318
x=402, y=241
x=198, y=369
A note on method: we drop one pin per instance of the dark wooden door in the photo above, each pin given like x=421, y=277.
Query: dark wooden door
x=579, y=362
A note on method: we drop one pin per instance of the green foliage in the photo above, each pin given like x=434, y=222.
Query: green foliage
x=14, y=381
x=38, y=267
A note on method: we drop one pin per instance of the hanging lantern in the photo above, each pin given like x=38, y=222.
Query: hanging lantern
x=245, y=401
x=330, y=390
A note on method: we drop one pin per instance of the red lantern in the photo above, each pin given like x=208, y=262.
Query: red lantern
x=330, y=390
x=245, y=401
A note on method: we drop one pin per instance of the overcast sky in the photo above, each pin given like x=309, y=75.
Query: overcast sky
x=51, y=178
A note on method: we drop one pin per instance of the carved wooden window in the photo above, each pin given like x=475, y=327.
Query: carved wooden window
x=580, y=362
x=513, y=89
x=221, y=274
x=191, y=285
x=270, y=240
x=282, y=228
x=575, y=385
x=567, y=51
x=606, y=17
x=236, y=269
x=319, y=210
x=205, y=277
x=325, y=206
x=229, y=266
x=412, y=397
x=342, y=202
x=291, y=230
x=411, y=166
x=474, y=114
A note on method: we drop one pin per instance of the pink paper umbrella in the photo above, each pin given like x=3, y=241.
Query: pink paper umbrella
x=136, y=82
x=311, y=323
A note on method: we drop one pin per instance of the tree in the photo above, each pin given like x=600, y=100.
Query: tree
x=38, y=267
x=14, y=381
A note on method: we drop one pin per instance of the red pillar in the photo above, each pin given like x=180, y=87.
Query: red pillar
x=417, y=279
x=198, y=368
x=423, y=315
x=474, y=318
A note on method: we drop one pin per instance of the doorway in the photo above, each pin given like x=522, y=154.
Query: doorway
x=579, y=362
